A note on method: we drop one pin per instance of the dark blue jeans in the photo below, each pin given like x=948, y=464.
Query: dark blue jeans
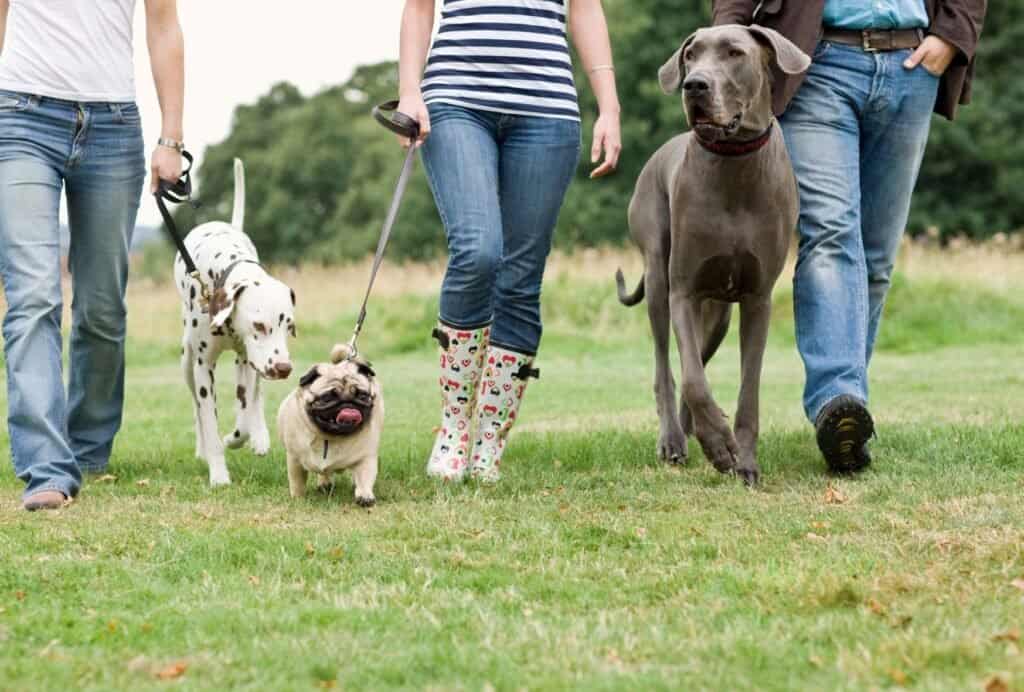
x=499, y=182
x=856, y=132
x=94, y=153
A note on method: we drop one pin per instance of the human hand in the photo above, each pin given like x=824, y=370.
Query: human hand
x=166, y=165
x=412, y=105
x=607, y=141
x=934, y=55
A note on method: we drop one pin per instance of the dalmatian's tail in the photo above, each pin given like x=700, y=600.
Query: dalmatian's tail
x=238, y=215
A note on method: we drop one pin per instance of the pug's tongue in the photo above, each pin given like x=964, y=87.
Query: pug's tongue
x=349, y=416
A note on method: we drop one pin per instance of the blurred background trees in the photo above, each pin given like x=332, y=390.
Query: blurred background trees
x=321, y=171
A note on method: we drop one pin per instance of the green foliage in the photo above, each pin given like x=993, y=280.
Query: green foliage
x=973, y=173
x=321, y=172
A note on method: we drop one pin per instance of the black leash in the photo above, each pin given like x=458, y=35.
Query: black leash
x=180, y=192
x=387, y=114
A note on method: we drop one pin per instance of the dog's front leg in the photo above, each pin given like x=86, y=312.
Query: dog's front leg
x=364, y=475
x=297, y=475
x=755, y=315
x=246, y=384
x=671, y=438
x=259, y=435
x=710, y=425
x=212, y=448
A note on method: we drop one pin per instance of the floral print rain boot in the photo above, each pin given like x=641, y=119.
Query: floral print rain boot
x=502, y=386
x=462, y=359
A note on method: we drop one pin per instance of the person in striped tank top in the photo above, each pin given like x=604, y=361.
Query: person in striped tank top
x=500, y=141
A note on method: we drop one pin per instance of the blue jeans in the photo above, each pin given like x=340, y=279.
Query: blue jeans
x=499, y=182
x=856, y=132
x=95, y=152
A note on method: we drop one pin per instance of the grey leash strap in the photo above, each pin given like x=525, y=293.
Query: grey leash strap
x=389, y=223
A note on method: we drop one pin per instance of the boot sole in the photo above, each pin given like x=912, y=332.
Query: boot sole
x=842, y=433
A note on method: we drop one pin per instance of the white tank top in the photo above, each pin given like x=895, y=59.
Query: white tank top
x=78, y=50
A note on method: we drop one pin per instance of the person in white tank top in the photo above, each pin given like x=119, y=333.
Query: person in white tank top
x=68, y=120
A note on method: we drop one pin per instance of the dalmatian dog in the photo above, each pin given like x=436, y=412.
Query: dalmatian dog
x=250, y=313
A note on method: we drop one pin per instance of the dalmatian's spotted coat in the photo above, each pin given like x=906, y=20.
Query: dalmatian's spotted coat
x=250, y=313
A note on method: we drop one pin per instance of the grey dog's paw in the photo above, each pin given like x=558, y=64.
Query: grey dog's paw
x=366, y=501
x=719, y=449
x=672, y=447
x=750, y=476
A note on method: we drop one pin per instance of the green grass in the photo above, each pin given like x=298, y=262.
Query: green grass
x=590, y=566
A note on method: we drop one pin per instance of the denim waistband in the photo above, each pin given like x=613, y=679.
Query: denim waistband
x=37, y=99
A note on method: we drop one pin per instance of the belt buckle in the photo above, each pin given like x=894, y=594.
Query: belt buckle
x=865, y=36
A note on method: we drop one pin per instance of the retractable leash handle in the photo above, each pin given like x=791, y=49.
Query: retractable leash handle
x=388, y=115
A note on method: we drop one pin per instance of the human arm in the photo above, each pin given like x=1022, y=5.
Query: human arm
x=417, y=26
x=953, y=35
x=733, y=11
x=167, y=57
x=5, y=6
x=589, y=30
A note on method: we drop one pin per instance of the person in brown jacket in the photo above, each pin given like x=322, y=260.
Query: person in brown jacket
x=856, y=125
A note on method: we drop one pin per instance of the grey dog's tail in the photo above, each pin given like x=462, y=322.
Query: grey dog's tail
x=627, y=299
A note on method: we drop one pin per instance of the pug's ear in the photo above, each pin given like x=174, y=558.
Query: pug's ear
x=785, y=54
x=670, y=76
x=365, y=369
x=310, y=377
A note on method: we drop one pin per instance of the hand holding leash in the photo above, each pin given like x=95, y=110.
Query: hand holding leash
x=180, y=192
x=411, y=112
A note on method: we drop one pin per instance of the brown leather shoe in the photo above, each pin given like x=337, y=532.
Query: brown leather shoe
x=46, y=499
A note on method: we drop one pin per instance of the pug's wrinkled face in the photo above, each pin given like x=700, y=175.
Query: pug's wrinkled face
x=339, y=398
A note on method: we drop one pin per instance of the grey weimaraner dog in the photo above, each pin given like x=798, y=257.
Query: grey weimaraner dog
x=713, y=213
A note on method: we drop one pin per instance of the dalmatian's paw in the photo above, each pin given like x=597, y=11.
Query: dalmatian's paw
x=219, y=476
x=260, y=443
x=236, y=439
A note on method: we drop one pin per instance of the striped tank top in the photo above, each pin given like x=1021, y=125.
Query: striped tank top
x=509, y=56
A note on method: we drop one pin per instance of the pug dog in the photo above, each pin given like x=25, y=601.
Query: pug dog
x=333, y=421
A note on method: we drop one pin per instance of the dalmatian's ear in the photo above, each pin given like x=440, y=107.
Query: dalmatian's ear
x=222, y=303
x=310, y=377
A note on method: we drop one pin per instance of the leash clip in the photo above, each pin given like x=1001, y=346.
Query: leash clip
x=204, y=290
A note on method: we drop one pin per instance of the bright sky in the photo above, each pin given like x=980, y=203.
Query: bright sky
x=236, y=49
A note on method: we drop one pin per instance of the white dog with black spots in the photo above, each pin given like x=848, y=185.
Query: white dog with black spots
x=250, y=313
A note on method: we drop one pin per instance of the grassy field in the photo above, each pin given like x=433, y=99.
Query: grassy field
x=591, y=566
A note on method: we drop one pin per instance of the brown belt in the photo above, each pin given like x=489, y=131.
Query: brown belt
x=875, y=40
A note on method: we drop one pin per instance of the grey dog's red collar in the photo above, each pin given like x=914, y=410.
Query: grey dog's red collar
x=737, y=148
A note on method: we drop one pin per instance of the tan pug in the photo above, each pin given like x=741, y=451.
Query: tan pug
x=333, y=421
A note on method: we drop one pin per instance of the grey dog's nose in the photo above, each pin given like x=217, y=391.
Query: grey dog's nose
x=696, y=83
x=283, y=369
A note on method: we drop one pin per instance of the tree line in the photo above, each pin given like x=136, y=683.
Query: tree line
x=321, y=171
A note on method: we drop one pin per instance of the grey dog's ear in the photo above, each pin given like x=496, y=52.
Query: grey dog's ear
x=670, y=76
x=788, y=57
x=310, y=377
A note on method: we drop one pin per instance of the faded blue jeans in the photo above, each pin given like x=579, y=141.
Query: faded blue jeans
x=499, y=182
x=94, y=151
x=856, y=132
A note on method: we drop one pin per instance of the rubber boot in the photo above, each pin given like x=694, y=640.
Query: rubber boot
x=502, y=387
x=462, y=360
